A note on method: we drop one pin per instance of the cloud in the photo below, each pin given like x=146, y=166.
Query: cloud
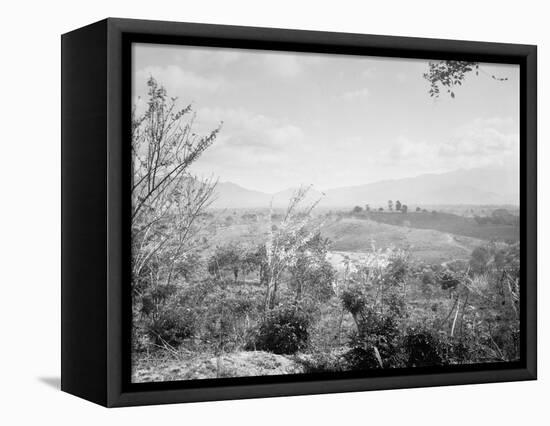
x=368, y=73
x=284, y=65
x=481, y=143
x=402, y=77
x=352, y=95
x=244, y=129
x=176, y=80
x=247, y=144
x=209, y=58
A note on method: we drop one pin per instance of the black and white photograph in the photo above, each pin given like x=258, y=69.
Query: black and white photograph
x=286, y=213
x=298, y=213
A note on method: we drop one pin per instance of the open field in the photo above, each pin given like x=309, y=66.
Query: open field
x=449, y=223
x=427, y=240
x=432, y=246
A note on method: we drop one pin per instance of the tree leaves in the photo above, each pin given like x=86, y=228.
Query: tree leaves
x=447, y=75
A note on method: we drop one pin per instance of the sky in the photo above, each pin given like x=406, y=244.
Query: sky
x=330, y=121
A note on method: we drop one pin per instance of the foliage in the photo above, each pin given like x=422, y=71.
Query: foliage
x=232, y=258
x=311, y=273
x=423, y=348
x=295, y=230
x=166, y=199
x=172, y=326
x=479, y=260
x=227, y=319
x=447, y=75
x=284, y=330
x=374, y=296
x=449, y=280
x=377, y=343
x=428, y=280
x=322, y=362
x=167, y=203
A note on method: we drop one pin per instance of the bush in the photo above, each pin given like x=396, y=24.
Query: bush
x=361, y=358
x=479, y=260
x=172, y=326
x=321, y=362
x=449, y=280
x=227, y=319
x=353, y=300
x=423, y=348
x=284, y=331
x=378, y=337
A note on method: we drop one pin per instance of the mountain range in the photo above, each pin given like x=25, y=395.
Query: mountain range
x=473, y=186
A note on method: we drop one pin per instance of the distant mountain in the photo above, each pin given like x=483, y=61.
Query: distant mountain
x=281, y=199
x=230, y=195
x=475, y=186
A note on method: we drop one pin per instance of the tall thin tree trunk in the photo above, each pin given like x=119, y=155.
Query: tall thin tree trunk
x=270, y=294
x=462, y=315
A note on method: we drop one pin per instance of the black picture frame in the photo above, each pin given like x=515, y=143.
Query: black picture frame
x=96, y=107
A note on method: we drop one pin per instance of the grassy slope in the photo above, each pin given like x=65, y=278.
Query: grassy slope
x=447, y=222
x=358, y=235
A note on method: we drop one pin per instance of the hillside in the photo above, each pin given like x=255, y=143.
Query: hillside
x=359, y=235
x=449, y=223
x=230, y=195
x=476, y=186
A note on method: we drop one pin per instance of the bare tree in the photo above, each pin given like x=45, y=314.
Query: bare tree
x=167, y=200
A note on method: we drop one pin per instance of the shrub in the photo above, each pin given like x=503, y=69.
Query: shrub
x=227, y=319
x=423, y=348
x=479, y=260
x=353, y=300
x=428, y=281
x=377, y=343
x=395, y=304
x=361, y=358
x=172, y=326
x=398, y=269
x=284, y=331
x=449, y=280
x=321, y=362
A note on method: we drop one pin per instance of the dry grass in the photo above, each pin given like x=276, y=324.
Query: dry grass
x=209, y=366
x=358, y=235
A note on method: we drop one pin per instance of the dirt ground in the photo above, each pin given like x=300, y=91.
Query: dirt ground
x=209, y=366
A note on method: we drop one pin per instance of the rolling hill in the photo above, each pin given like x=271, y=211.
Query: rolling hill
x=475, y=186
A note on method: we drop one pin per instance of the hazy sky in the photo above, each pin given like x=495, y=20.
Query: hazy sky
x=332, y=120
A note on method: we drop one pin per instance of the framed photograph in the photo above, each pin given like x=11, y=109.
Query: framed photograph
x=255, y=212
